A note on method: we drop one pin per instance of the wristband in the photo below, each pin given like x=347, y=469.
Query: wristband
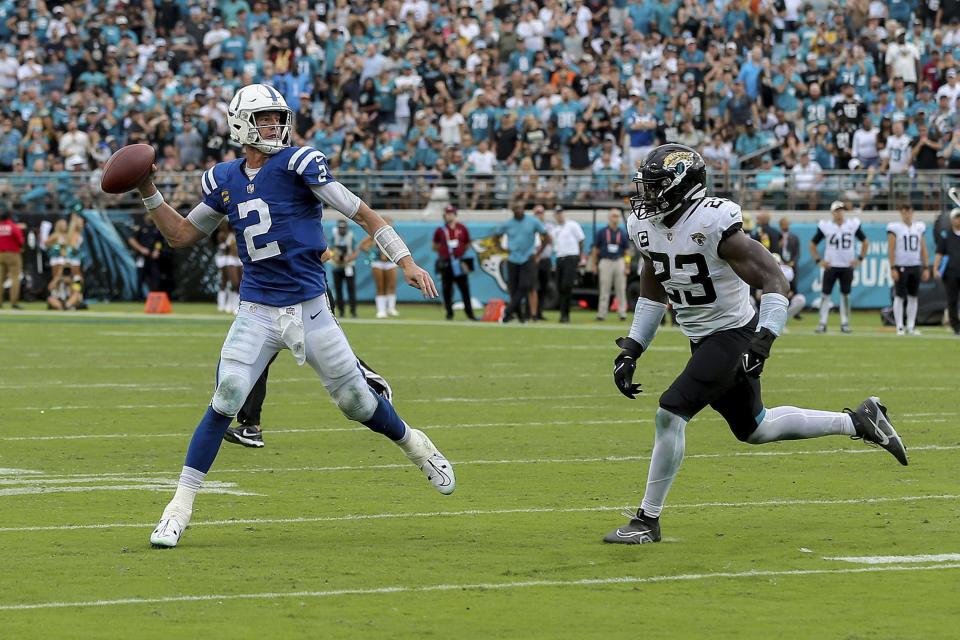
x=817, y=260
x=391, y=244
x=154, y=201
x=646, y=321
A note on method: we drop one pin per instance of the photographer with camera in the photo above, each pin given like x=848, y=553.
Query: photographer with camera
x=451, y=240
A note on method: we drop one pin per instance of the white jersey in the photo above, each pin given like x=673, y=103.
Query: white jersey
x=906, y=252
x=897, y=151
x=702, y=287
x=841, y=240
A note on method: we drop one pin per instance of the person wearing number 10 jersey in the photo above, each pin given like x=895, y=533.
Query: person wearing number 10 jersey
x=696, y=257
x=274, y=198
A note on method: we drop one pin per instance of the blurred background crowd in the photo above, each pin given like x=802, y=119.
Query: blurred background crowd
x=563, y=96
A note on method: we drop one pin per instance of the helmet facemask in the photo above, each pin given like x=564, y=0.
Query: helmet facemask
x=256, y=140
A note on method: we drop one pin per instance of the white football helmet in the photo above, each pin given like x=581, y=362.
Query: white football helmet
x=241, y=114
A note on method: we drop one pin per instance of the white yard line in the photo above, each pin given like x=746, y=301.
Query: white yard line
x=12, y=478
x=490, y=586
x=938, y=557
x=154, y=486
x=480, y=512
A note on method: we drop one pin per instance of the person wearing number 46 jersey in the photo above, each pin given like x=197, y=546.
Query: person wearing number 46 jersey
x=274, y=198
x=696, y=257
x=839, y=260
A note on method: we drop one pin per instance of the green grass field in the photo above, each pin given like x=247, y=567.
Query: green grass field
x=328, y=532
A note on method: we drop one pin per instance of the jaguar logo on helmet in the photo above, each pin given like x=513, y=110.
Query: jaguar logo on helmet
x=671, y=176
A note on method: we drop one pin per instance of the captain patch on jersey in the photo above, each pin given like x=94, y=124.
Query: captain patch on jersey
x=703, y=288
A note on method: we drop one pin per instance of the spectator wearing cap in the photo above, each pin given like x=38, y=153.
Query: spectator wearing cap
x=608, y=261
x=748, y=142
x=740, y=108
x=451, y=241
x=903, y=60
x=951, y=89
x=770, y=178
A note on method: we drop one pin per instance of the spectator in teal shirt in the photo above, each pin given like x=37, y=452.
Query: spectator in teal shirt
x=482, y=120
x=233, y=48
x=522, y=232
x=748, y=142
x=565, y=115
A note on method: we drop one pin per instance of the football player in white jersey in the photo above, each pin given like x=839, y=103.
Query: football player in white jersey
x=696, y=258
x=839, y=260
x=909, y=263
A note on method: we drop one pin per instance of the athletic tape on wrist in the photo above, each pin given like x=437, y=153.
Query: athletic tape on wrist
x=646, y=321
x=154, y=201
x=391, y=244
x=773, y=312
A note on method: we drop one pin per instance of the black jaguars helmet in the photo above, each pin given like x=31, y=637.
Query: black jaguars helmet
x=671, y=176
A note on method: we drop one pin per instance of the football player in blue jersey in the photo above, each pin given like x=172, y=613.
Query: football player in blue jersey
x=274, y=198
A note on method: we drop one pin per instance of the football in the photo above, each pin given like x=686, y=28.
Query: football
x=127, y=168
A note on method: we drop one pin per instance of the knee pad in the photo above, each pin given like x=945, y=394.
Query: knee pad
x=355, y=400
x=230, y=395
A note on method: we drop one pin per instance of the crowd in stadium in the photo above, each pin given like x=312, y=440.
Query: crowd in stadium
x=458, y=87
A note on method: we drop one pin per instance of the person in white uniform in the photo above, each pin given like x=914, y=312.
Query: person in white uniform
x=696, y=257
x=839, y=260
x=909, y=264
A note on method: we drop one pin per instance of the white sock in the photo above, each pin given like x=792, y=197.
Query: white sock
x=912, y=304
x=665, y=461
x=797, y=303
x=793, y=423
x=381, y=304
x=898, y=311
x=825, y=304
x=391, y=302
x=221, y=300
x=187, y=487
x=844, y=309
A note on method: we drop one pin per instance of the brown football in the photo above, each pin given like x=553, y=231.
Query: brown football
x=127, y=168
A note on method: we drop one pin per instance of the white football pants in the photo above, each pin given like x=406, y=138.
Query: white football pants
x=311, y=332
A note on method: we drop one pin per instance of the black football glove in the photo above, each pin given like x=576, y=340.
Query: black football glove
x=751, y=362
x=625, y=364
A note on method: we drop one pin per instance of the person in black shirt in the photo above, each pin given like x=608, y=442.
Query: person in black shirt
x=948, y=245
x=848, y=115
x=507, y=139
x=926, y=146
x=147, y=242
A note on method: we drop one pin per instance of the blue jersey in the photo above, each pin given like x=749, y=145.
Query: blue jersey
x=276, y=218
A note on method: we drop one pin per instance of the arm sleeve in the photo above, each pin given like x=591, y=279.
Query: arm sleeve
x=818, y=236
x=861, y=235
x=337, y=196
x=205, y=218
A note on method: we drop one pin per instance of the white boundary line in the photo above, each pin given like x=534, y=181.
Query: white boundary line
x=939, y=557
x=477, y=512
x=488, y=586
x=15, y=476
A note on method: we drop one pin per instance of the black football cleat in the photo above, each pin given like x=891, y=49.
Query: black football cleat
x=874, y=427
x=640, y=530
x=247, y=436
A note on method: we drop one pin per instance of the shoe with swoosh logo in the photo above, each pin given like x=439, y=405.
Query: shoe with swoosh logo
x=439, y=472
x=171, y=527
x=640, y=530
x=873, y=426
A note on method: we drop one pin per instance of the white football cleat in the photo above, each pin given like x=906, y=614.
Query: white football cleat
x=423, y=453
x=168, y=531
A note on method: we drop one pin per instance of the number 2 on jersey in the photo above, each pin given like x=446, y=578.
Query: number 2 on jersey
x=701, y=277
x=262, y=209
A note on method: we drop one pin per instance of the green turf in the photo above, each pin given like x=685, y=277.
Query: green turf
x=344, y=539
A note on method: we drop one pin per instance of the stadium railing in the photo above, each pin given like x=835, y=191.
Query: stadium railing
x=50, y=193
